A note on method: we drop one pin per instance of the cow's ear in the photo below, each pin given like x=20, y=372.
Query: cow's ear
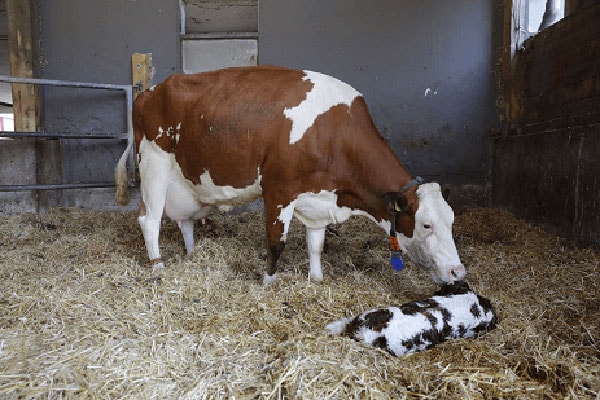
x=396, y=202
x=446, y=193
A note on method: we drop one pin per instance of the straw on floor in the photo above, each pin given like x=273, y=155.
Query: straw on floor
x=81, y=316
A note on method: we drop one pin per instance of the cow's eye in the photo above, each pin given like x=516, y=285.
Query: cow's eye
x=427, y=226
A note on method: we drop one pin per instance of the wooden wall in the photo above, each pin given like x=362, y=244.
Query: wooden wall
x=547, y=159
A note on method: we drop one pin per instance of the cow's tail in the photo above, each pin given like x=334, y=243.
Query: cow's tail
x=121, y=181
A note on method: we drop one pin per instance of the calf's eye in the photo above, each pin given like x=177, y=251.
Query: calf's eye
x=427, y=226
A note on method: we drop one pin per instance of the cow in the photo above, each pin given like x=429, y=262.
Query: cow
x=303, y=141
x=454, y=311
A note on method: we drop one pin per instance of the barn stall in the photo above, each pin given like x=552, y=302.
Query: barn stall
x=477, y=99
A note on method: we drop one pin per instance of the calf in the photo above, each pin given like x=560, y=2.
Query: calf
x=454, y=311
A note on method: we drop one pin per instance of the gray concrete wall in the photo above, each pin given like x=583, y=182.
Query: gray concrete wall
x=425, y=69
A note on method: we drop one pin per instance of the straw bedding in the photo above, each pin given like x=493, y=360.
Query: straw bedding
x=81, y=316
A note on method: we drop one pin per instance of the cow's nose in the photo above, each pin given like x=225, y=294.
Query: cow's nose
x=456, y=273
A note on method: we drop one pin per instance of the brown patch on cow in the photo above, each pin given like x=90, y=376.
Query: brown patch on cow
x=375, y=320
x=381, y=342
x=352, y=327
x=452, y=289
x=142, y=210
x=244, y=127
x=486, y=304
x=405, y=221
x=418, y=307
x=474, y=309
x=429, y=338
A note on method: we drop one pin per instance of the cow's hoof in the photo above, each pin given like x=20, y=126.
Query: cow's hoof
x=156, y=263
x=159, y=266
x=268, y=279
x=315, y=277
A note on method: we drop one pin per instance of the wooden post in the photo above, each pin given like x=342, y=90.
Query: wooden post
x=26, y=101
x=142, y=72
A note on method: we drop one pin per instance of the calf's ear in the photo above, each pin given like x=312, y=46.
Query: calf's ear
x=396, y=202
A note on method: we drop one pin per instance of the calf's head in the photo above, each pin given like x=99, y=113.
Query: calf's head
x=424, y=231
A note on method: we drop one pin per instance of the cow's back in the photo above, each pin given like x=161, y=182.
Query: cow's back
x=238, y=123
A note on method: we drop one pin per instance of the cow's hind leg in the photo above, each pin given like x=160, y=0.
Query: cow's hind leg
x=150, y=224
x=314, y=244
x=186, y=227
x=154, y=194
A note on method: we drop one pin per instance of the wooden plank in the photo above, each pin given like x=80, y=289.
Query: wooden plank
x=26, y=100
x=201, y=16
x=142, y=72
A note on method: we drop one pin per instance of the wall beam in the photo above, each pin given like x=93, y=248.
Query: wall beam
x=26, y=100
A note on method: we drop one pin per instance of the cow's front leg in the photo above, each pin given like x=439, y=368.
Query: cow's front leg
x=277, y=220
x=314, y=244
x=275, y=246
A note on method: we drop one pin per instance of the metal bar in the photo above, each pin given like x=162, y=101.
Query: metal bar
x=220, y=35
x=63, y=135
x=56, y=186
x=55, y=82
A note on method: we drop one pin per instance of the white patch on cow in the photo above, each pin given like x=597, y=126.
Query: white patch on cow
x=184, y=200
x=177, y=129
x=402, y=327
x=462, y=316
x=285, y=216
x=325, y=93
x=316, y=210
x=165, y=189
x=226, y=197
x=168, y=132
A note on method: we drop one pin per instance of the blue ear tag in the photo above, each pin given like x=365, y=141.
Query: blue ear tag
x=396, y=260
x=395, y=253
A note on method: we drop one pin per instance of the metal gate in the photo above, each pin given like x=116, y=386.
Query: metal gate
x=128, y=89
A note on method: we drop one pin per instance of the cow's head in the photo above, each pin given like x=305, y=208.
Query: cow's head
x=430, y=243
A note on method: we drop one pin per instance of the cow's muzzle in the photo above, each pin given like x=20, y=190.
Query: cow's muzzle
x=449, y=273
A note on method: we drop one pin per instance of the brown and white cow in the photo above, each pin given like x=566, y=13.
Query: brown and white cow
x=302, y=140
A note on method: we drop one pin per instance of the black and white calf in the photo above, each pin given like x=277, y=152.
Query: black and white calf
x=454, y=311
